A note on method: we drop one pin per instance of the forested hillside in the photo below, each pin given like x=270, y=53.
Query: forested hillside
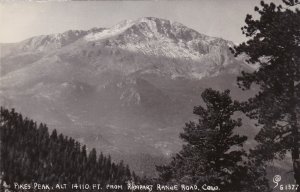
x=29, y=153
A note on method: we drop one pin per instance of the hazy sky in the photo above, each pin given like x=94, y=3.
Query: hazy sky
x=219, y=18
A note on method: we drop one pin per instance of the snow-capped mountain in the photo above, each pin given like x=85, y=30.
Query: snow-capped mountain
x=126, y=90
x=160, y=37
x=150, y=36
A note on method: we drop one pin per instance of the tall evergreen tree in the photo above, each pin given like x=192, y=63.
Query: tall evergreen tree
x=212, y=152
x=274, y=44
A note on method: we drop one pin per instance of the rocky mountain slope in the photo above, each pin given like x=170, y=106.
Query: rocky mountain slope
x=126, y=90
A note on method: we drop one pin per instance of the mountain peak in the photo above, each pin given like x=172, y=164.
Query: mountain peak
x=141, y=26
x=158, y=37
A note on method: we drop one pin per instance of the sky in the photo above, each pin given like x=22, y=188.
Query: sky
x=20, y=20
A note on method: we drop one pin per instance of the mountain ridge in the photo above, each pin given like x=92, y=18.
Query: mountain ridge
x=147, y=36
x=146, y=28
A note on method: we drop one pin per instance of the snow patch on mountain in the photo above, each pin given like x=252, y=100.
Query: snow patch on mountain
x=163, y=47
x=108, y=33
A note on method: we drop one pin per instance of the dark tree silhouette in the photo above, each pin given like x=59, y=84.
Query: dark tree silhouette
x=212, y=152
x=274, y=44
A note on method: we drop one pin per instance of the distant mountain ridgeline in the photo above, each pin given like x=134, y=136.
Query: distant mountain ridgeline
x=30, y=154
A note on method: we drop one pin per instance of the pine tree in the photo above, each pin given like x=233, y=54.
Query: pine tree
x=212, y=152
x=274, y=44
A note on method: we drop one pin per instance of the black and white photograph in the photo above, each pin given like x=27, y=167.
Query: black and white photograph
x=150, y=95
